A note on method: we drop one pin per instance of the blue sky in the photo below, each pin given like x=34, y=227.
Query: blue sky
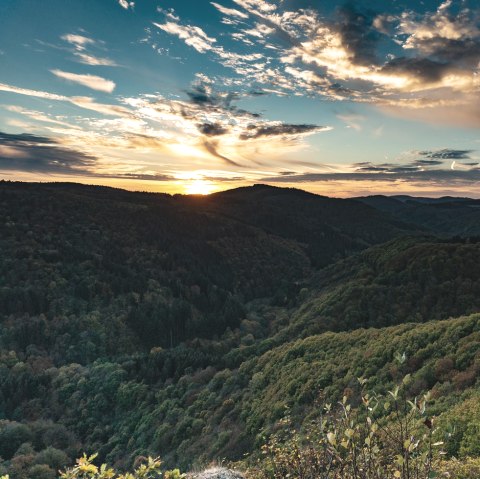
x=339, y=98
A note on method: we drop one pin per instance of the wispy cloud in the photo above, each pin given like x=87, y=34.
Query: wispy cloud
x=90, y=81
x=79, y=41
x=126, y=4
x=433, y=168
x=80, y=44
x=191, y=35
x=353, y=120
x=80, y=101
x=206, y=124
x=432, y=58
x=230, y=11
x=210, y=120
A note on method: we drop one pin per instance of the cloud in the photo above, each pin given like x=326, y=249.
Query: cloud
x=212, y=148
x=80, y=44
x=126, y=4
x=191, y=35
x=352, y=120
x=432, y=177
x=280, y=129
x=211, y=121
x=79, y=41
x=433, y=168
x=39, y=116
x=32, y=93
x=358, y=35
x=88, y=59
x=80, y=101
x=90, y=81
x=448, y=154
x=409, y=64
x=24, y=152
x=447, y=34
x=229, y=11
x=212, y=129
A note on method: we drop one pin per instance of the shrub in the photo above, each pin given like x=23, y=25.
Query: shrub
x=85, y=469
x=387, y=437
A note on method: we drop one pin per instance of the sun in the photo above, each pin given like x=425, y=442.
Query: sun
x=199, y=187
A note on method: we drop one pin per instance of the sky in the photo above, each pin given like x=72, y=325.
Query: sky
x=195, y=96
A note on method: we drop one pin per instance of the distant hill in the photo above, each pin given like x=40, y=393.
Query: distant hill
x=447, y=216
x=405, y=280
x=160, y=269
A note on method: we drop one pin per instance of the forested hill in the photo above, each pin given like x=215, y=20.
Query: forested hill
x=447, y=216
x=146, y=324
x=133, y=270
x=413, y=279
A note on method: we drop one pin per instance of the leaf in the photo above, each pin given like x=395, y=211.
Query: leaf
x=332, y=438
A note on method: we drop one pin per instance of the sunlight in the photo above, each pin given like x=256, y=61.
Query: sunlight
x=199, y=187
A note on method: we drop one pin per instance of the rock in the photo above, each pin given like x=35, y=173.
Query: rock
x=216, y=473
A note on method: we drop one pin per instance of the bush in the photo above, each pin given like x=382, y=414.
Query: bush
x=467, y=468
x=85, y=469
x=387, y=437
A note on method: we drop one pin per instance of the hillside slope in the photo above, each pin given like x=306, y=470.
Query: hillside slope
x=405, y=280
x=443, y=216
x=133, y=270
x=186, y=327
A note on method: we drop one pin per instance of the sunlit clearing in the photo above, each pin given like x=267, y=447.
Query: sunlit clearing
x=199, y=187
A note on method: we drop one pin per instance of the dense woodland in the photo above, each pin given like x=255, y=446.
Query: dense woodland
x=137, y=324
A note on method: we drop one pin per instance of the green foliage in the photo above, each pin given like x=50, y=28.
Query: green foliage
x=387, y=437
x=406, y=280
x=141, y=325
x=85, y=469
x=467, y=468
x=445, y=216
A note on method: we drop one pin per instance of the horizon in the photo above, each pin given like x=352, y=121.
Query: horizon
x=333, y=98
x=254, y=185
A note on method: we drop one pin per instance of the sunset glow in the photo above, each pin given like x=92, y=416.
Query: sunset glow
x=332, y=97
x=199, y=187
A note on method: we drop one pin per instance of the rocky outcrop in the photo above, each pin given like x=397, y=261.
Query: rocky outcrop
x=216, y=473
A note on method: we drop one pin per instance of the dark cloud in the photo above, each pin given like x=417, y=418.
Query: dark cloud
x=212, y=129
x=24, y=152
x=39, y=154
x=24, y=138
x=464, y=52
x=258, y=131
x=372, y=168
x=211, y=147
x=142, y=176
x=203, y=98
x=415, y=171
x=224, y=179
x=428, y=162
x=414, y=175
x=359, y=37
x=199, y=95
x=424, y=69
x=447, y=154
